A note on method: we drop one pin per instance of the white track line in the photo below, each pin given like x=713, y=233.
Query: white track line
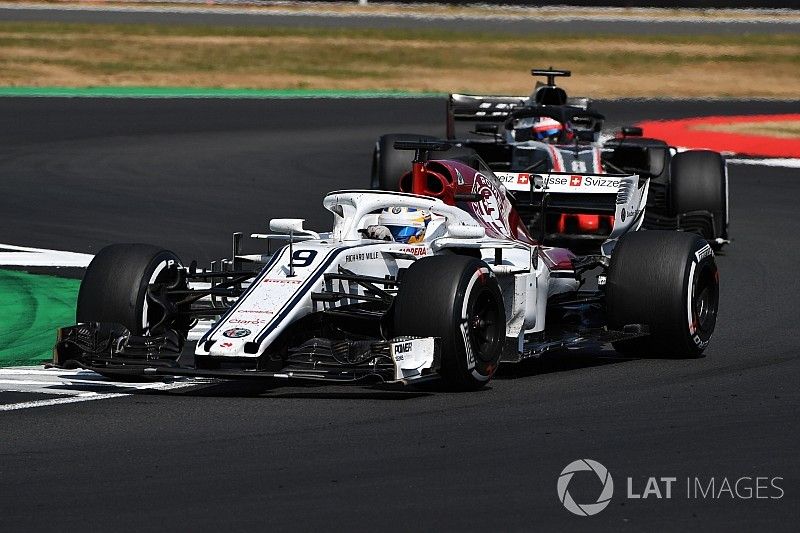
x=71, y=386
x=777, y=162
x=59, y=401
x=42, y=257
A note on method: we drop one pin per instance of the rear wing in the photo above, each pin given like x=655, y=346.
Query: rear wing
x=487, y=108
x=480, y=108
x=618, y=199
x=563, y=182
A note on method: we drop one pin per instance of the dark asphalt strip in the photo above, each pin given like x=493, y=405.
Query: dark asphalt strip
x=82, y=173
x=504, y=26
x=79, y=174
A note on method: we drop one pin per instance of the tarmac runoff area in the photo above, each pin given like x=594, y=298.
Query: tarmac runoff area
x=506, y=19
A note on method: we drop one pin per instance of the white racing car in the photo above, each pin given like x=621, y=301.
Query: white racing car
x=441, y=282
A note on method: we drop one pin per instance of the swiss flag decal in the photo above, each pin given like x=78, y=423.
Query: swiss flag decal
x=575, y=181
x=523, y=179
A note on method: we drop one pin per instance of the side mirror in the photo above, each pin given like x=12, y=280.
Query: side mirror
x=632, y=131
x=460, y=231
x=290, y=226
x=487, y=129
x=286, y=225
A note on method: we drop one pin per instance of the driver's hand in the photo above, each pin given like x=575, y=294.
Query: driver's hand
x=380, y=233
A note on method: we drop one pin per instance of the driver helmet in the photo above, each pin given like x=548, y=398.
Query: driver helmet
x=406, y=224
x=549, y=130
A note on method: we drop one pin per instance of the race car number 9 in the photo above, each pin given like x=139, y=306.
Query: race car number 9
x=303, y=258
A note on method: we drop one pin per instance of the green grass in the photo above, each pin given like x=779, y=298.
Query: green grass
x=32, y=307
x=38, y=54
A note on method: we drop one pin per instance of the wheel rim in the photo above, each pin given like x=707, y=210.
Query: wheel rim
x=484, y=326
x=705, y=298
x=154, y=312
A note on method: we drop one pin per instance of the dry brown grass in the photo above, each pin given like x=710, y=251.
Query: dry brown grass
x=76, y=55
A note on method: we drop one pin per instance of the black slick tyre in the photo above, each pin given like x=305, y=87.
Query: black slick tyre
x=389, y=164
x=669, y=282
x=698, y=182
x=114, y=288
x=457, y=299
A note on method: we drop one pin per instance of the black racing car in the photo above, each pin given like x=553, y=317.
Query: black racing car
x=550, y=132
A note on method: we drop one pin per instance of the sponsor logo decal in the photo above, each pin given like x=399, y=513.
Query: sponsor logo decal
x=418, y=251
x=493, y=210
x=593, y=181
x=557, y=181
x=236, y=333
x=703, y=252
x=226, y=345
x=283, y=281
x=247, y=322
x=402, y=348
x=698, y=341
x=506, y=177
x=585, y=509
x=467, y=345
x=363, y=256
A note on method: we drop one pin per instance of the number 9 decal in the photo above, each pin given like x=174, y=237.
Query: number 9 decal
x=303, y=258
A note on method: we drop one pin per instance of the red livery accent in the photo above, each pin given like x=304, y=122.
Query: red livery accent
x=494, y=212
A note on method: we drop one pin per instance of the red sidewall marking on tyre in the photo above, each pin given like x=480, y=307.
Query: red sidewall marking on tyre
x=692, y=133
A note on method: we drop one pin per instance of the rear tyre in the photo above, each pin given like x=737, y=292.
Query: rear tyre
x=457, y=299
x=668, y=281
x=698, y=182
x=389, y=164
x=114, y=288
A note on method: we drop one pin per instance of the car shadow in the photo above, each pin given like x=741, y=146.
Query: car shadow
x=294, y=390
x=562, y=361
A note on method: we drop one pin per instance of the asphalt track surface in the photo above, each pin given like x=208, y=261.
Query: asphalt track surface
x=79, y=173
x=216, y=17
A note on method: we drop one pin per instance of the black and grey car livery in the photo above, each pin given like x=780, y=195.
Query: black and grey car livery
x=688, y=190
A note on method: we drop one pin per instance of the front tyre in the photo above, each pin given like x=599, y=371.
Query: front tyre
x=115, y=289
x=668, y=281
x=457, y=299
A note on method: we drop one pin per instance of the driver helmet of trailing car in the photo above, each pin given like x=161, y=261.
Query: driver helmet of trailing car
x=406, y=224
x=551, y=131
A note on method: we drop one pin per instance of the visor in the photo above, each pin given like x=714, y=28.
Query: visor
x=547, y=133
x=403, y=233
